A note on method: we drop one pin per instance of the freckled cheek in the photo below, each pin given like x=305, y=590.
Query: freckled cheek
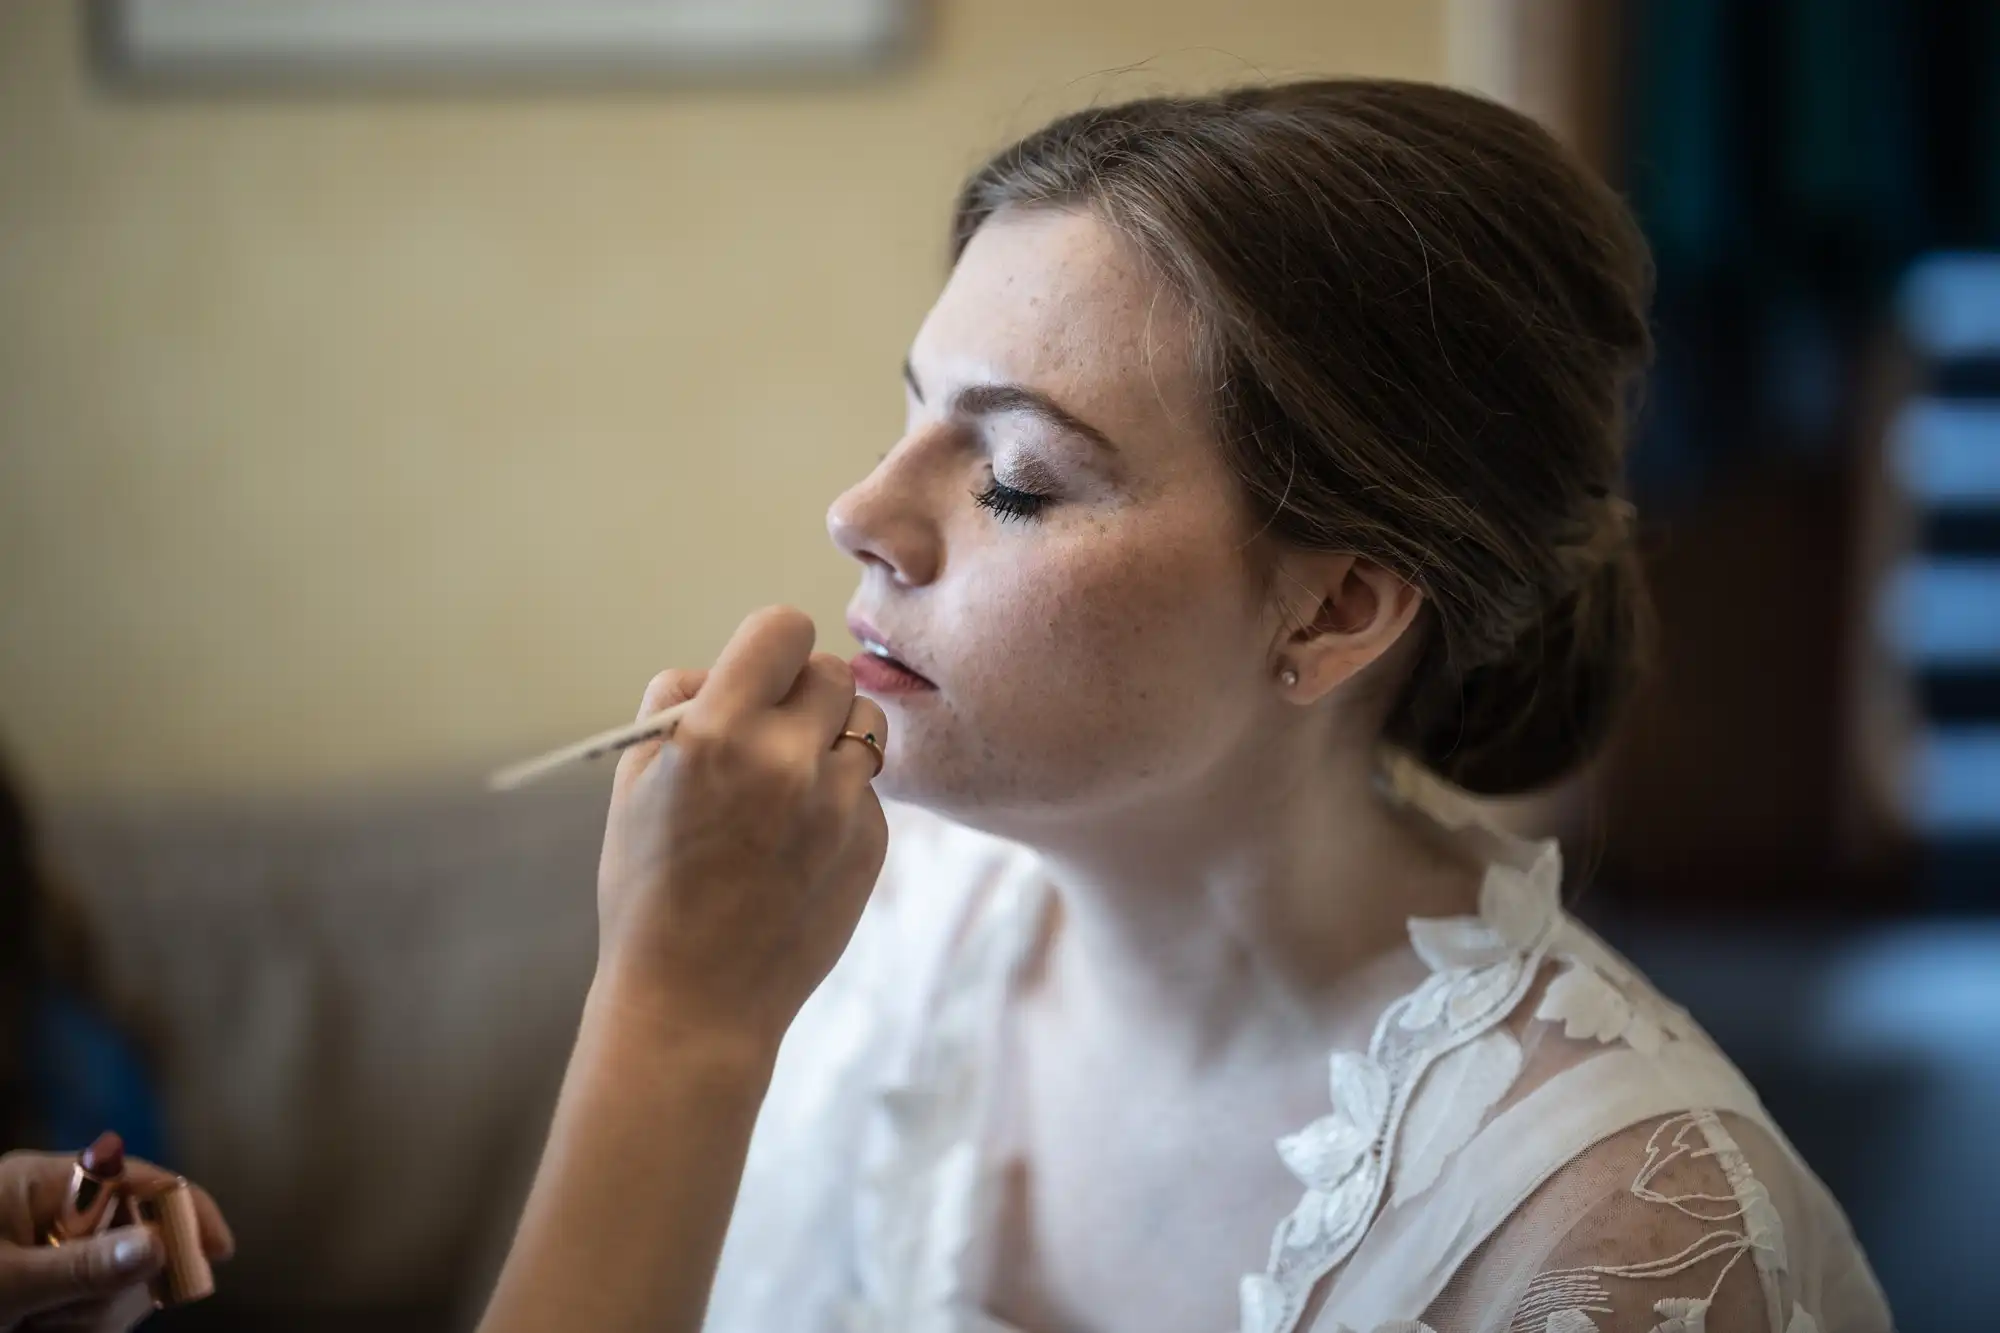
x=1097, y=644
x=1074, y=670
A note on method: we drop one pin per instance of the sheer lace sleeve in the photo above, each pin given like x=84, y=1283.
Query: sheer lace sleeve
x=1585, y=1160
x=1689, y=1223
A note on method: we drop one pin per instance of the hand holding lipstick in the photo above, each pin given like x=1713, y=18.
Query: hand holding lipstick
x=95, y=1279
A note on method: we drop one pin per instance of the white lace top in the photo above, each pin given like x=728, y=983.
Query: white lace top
x=1533, y=1142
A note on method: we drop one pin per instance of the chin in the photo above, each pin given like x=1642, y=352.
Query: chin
x=989, y=779
x=905, y=784
x=972, y=800
x=910, y=780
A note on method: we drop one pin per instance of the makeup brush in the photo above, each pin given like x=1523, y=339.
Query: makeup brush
x=658, y=725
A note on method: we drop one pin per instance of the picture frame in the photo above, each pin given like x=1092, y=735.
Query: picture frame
x=424, y=42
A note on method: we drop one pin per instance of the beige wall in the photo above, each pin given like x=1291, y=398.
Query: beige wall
x=347, y=437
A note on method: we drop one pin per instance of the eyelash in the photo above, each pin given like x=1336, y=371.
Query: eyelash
x=1008, y=503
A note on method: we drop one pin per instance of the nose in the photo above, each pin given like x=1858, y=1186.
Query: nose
x=880, y=521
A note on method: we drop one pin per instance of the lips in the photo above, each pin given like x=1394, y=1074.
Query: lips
x=879, y=655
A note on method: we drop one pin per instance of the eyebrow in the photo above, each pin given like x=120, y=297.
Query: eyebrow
x=980, y=400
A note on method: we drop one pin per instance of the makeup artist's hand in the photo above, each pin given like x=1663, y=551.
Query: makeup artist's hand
x=738, y=856
x=96, y=1283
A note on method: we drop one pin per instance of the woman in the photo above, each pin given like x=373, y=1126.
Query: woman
x=1258, y=497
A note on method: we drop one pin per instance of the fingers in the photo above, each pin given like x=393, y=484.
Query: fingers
x=760, y=664
x=44, y=1178
x=34, y=1278
x=667, y=689
x=33, y=1185
x=821, y=699
x=217, y=1240
x=859, y=862
x=662, y=692
x=38, y=1171
x=850, y=764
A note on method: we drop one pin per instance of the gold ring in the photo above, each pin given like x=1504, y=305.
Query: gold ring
x=867, y=738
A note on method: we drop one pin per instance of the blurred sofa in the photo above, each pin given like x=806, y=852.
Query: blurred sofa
x=360, y=1009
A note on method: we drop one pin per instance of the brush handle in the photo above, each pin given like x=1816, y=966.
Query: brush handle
x=658, y=725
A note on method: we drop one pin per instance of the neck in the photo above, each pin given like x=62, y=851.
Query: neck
x=1253, y=911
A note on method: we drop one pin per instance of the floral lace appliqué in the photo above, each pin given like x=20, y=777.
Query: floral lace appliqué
x=1481, y=967
x=1589, y=1005
x=1744, y=1221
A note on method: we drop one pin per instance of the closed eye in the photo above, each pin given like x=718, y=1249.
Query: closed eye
x=1008, y=503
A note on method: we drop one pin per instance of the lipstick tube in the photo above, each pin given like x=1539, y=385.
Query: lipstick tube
x=169, y=1211
x=93, y=1190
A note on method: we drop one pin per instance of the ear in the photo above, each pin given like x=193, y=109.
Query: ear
x=1340, y=613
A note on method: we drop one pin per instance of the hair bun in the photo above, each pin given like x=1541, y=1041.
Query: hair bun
x=1543, y=710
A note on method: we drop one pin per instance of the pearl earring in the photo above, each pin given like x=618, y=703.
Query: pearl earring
x=1289, y=677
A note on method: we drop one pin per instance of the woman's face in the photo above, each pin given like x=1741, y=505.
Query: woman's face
x=1055, y=544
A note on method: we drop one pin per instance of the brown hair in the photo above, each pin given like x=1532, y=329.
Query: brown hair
x=1427, y=321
